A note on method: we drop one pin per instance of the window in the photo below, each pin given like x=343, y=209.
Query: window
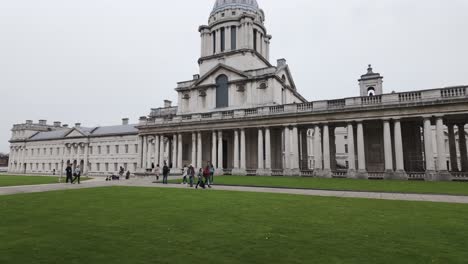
x=136, y=148
x=116, y=167
x=347, y=164
x=126, y=166
x=99, y=150
x=222, y=91
x=134, y=166
x=233, y=37
x=90, y=150
x=233, y=13
x=222, y=15
x=214, y=42
x=126, y=149
x=45, y=151
x=117, y=150
x=371, y=91
x=223, y=39
x=346, y=148
x=107, y=166
x=58, y=151
x=108, y=149
x=32, y=152
x=255, y=39
x=51, y=151
x=98, y=166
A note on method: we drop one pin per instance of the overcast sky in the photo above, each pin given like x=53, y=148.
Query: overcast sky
x=96, y=61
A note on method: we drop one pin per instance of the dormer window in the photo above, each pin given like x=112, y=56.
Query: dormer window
x=186, y=96
x=263, y=85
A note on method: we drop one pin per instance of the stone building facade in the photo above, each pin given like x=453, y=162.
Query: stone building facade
x=247, y=117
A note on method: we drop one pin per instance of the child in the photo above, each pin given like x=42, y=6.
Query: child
x=200, y=180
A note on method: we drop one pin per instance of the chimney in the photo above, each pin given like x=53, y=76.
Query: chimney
x=125, y=121
x=43, y=122
x=196, y=77
x=29, y=122
x=65, y=126
x=57, y=124
x=281, y=62
x=77, y=125
x=143, y=120
x=167, y=103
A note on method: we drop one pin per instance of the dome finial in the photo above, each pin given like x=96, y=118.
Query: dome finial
x=370, y=70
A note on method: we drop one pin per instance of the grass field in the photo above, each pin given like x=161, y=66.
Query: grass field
x=146, y=225
x=8, y=180
x=455, y=188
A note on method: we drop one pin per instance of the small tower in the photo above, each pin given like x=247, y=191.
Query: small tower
x=371, y=83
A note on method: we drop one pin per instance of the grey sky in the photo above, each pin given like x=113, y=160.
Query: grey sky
x=96, y=61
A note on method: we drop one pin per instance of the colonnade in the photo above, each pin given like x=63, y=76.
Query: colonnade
x=376, y=149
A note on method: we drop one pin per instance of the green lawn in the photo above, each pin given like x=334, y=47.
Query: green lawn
x=8, y=180
x=151, y=225
x=456, y=188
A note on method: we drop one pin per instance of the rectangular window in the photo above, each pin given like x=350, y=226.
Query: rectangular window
x=99, y=150
x=233, y=37
x=126, y=149
x=108, y=149
x=126, y=166
x=117, y=150
x=136, y=148
x=347, y=164
x=98, y=166
x=134, y=166
x=223, y=40
x=32, y=152
x=58, y=151
x=90, y=150
x=51, y=151
x=346, y=148
x=107, y=166
x=214, y=41
x=255, y=39
x=116, y=167
x=45, y=152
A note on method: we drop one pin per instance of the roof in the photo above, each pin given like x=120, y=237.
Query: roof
x=87, y=132
x=221, y=5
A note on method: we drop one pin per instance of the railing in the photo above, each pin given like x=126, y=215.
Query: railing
x=307, y=173
x=187, y=117
x=206, y=116
x=277, y=172
x=251, y=172
x=453, y=92
x=416, y=176
x=376, y=175
x=371, y=100
x=227, y=172
x=340, y=174
x=228, y=114
x=460, y=176
x=251, y=112
x=409, y=97
x=305, y=107
x=277, y=109
x=334, y=104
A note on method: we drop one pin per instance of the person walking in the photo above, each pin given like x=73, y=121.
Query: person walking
x=69, y=173
x=166, y=172
x=191, y=174
x=200, y=180
x=184, y=174
x=206, y=175
x=121, y=172
x=77, y=175
x=127, y=177
x=157, y=172
x=212, y=172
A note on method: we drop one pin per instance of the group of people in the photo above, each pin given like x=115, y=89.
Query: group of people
x=205, y=176
x=114, y=177
x=73, y=175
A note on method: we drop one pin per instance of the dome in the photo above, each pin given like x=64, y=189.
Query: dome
x=221, y=5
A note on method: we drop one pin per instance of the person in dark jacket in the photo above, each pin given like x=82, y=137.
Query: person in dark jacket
x=69, y=172
x=191, y=174
x=166, y=172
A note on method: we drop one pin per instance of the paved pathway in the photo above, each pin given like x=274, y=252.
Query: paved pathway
x=147, y=183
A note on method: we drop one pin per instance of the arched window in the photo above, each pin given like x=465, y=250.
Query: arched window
x=222, y=91
x=283, y=78
x=233, y=37
x=371, y=91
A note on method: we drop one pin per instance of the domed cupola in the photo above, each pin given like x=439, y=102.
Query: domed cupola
x=249, y=5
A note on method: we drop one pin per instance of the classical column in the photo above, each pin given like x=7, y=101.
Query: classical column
x=194, y=150
x=199, y=151
x=388, y=153
x=145, y=153
x=174, y=152
x=218, y=41
x=268, y=150
x=236, y=149
x=260, y=160
x=140, y=153
x=462, y=147
x=351, y=152
x=243, y=158
x=161, y=151
x=428, y=148
x=287, y=149
x=156, y=150
x=150, y=151
x=361, y=150
x=227, y=43
x=220, y=150
x=440, y=137
x=326, y=148
x=86, y=158
x=295, y=152
x=399, y=156
x=214, y=151
x=179, y=152
x=317, y=149
x=452, y=148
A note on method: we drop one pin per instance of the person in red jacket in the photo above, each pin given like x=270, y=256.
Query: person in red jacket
x=206, y=175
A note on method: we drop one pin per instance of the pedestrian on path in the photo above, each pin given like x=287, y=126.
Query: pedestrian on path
x=77, y=174
x=191, y=174
x=157, y=171
x=206, y=175
x=212, y=172
x=200, y=179
x=166, y=172
x=69, y=172
x=184, y=174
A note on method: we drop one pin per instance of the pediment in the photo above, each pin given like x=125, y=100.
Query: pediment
x=210, y=77
x=74, y=133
